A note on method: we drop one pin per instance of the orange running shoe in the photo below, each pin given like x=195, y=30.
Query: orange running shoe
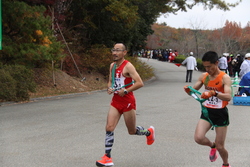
x=151, y=137
x=105, y=161
x=213, y=155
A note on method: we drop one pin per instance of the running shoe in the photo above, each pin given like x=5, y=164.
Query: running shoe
x=213, y=155
x=226, y=166
x=105, y=161
x=151, y=137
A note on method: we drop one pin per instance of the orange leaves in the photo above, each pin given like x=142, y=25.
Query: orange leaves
x=232, y=29
x=45, y=41
x=39, y=32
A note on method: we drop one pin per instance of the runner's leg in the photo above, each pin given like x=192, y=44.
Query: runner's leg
x=130, y=121
x=112, y=121
x=200, y=133
x=220, y=142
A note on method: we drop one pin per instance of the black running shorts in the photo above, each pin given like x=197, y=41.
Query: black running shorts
x=219, y=117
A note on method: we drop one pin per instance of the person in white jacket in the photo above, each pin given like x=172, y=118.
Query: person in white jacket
x=223, y=63
x=191, y=64
x=245, y=66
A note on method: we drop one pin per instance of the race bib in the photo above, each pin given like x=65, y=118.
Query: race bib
x=213, y=102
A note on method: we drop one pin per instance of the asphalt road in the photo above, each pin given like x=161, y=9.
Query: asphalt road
x=69, y=131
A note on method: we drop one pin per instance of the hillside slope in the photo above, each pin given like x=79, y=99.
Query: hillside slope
x=62, y=83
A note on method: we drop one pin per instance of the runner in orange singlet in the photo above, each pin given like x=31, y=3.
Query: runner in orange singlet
x=218, y=93
x=122, y=75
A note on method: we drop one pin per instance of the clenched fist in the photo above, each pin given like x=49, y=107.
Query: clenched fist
x=187, y=90
x=208, y=94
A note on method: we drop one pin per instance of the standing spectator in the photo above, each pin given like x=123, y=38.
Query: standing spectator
x=159, y=55
x=176, y=52
x=239, y=60
x=223, y=63
x=154, y=54
x=191, y=64
x=234, y=64
x=148, y=54
x=151, y=54
x=165, y=55
x=229, y=63
x=245, y=66
x=171, y=56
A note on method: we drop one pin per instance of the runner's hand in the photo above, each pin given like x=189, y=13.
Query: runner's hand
x=110, y=90
x=208, y=94
x=187, y=90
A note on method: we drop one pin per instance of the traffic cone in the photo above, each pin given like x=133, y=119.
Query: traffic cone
x=236, y=79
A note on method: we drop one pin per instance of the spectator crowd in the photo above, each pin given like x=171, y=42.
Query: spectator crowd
x=160, y=54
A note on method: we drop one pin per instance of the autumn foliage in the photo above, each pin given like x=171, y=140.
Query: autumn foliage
x=230, y=38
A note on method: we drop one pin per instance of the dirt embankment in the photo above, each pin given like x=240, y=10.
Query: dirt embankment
x=51, y=83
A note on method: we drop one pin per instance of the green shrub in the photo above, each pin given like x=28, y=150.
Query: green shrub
x=7, y=86
x=16, y=83
x=181, y=58
x=101, y=65
x=199, y=65
x=98, y=58
x=144, y=70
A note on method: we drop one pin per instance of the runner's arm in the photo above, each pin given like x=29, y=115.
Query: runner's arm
x=199, y=83
x=196, y=86
x=130, y=71
x=109, y=90
x=226, y=96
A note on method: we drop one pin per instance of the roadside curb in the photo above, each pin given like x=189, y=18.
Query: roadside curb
x=62, y=96
x=50, y=97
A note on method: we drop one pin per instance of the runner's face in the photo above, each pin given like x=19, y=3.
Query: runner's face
x=118, y=52
x=210, y=68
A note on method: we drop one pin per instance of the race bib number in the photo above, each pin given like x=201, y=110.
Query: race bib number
x=118, y=84
x=213, y=102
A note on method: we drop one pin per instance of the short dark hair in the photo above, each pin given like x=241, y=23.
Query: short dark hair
x=210, y=56
x=124, y=46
